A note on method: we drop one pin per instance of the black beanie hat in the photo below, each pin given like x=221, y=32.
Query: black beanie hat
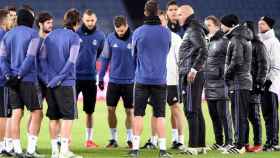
x=25, y=17
x=270, y=22
x=230, y=20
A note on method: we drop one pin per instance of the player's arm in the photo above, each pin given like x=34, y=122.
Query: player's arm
x=105, y=60
x=29, y=60
x=74, y=51
x=43, y=66
x=4, y=63
x=101, y=46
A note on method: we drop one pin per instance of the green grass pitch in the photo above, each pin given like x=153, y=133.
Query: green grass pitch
x=102, y=135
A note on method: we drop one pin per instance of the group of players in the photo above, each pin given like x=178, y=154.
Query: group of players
x=170, y=58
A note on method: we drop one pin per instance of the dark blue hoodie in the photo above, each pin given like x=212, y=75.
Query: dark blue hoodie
x=150, y=44
x=91, y=47
x=18, y=52
x=58, y=57
x=117, y=52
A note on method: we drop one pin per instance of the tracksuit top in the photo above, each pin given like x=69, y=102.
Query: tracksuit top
x=90, y=49
x=2, y=78
x=150, y=46
x=18, y=52
x=58, y=57
x=118, y=53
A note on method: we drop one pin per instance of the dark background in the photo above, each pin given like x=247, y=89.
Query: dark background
x=107, y=9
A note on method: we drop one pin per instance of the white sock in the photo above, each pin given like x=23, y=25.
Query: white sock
x=175, y=135
x=162, y=143
x=32, y=141
x=136, y=142
x=129, y=135
x=114, y=133
x=89, y=134
x=8, y=144
x=17, y=146
x=154, y=140
x=181, y=139
x=54, y=145
x=64, y=145
x=2, y=145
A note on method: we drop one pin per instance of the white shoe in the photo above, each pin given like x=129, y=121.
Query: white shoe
x=190, y=151
x=69, y=154
x=235, y=150
x=55, y=154
x=202, y=151
x=225, y=147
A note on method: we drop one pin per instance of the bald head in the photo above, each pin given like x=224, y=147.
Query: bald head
x=183, y=13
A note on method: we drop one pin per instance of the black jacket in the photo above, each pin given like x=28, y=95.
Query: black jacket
x=238, y=60
x=259, y=68
x=193, y=51
x=214, y=67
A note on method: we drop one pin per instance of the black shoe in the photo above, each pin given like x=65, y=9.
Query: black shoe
x=17, y=155
x=267, y=147
x=112, y=144
x=134, y=153
x=149, y=145
x=129, y=144
x=164, y=154
x=5, y=153
x=174, y=145
x=34, y=155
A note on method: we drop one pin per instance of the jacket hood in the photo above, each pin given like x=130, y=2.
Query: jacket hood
x=192, y=21
x=267, y=35
x=241, y=31
x=217, y=35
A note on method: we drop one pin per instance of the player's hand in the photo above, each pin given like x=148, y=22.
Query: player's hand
x=191, y=76
x=101, y=85
x=12, y=82
x=56, y=81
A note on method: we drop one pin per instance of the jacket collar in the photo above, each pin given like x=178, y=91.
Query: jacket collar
x=126, y=35
x=188, y=21
x=267, y=35
x=152, y=20
x=87, y=31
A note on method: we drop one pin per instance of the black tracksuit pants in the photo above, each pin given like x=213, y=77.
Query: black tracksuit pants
x=191, y=96
x=239, y=108
x=255, y=119
x=222, y=121
x=271, y=118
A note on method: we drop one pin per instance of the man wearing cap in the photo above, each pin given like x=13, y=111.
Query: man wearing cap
x=238, y=77
x=272, y=86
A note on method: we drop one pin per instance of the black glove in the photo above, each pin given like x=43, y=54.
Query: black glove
x=101, y=85
x=258, y=88
x=12, y=82
x=267, y=85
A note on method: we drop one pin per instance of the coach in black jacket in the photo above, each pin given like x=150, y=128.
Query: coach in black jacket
x=216, y=92
x=238, y=75
x=192, y=56
x=259, y=72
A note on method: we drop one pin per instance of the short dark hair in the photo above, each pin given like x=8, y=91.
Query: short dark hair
x=119, y=21
x=170, y=3
x=214, y=19
x=71, y=18
x=11, y=8
x=151, y=8
x=161, y=12
x=3, y=14
x=42, y=17
x=88, y=12
x=28, y=7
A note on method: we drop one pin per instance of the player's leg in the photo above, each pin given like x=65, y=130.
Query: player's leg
x=17, y=112
x=153, y=141
x=217, y=124
x=89, y=90
x=127, y=97
x=65, y=97
x=112, y=98
x=177, y=116
x=141, y=94
x=158, y=96
x=3, y=119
